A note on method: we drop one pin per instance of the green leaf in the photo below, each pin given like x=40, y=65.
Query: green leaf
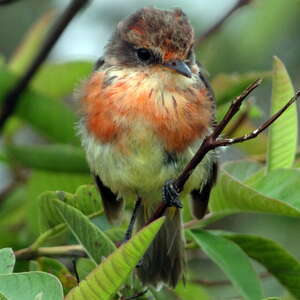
x=232, y=260
x=70, y=75
x=86, y=199
x=108, y=277
x=233, y=196
x=3, y=297
x=95, y=242
x=27, y=286
x=283, y=133
x=281, y=184
x=53, y=157
x=191, y=291
x=7, y=261
x=53, y=266
x=30, y=44
x=275, y=258
x=84, y=267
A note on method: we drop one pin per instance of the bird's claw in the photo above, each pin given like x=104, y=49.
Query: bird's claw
x=170, y=195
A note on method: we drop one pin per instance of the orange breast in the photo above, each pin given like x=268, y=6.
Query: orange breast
x=178, y=116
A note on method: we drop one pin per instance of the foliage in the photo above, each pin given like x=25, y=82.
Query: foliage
x=58, y=205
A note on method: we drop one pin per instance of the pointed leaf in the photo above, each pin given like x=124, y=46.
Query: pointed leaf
x=232, y=260
x=7, y=261
x=280, y=263
x=95, y=241
x=27, y=286
x=107, y=278
x=283, y=133
x=231, y=195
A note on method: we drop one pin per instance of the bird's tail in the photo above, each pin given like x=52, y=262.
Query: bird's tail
x=164, y=260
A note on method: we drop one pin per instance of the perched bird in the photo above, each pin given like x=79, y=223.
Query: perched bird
x=144, y=111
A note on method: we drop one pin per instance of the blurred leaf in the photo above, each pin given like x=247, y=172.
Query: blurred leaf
x=191, y=291
x=29, y=285
x=232, y=260
x=56, y=268
x=41, y=181
x=84, y=267
x=229, y=86
x=53, y=157
x=276, y=259
x=241, y=169
x=116, y=234
x=50, y=117
x=3, y=297
x=86, y=199
x=7, y=261
x=70, y=75
x=281, y=184
x=231, y=195
x=283, y=133
x=107, y=278
x=95, y=242
x=31, y=44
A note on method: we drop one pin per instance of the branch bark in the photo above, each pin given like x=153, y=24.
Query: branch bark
x=12, y=98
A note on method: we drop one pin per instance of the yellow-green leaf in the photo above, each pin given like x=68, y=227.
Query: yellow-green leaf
x=283, y=133
x=105, y=281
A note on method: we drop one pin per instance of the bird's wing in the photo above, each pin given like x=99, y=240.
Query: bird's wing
x=200, y=197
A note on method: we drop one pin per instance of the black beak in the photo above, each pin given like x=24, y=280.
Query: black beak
x=180, y=67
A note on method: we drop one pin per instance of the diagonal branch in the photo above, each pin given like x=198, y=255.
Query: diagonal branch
x=12, y=98
x=216, y=27
x=214, y=140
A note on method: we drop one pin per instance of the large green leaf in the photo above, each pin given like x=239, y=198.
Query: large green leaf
x=84, y=267
x=27, y=286
x=232, y=196
x=283, y=133
x=86, y=199
x=70, y=74
x=53, y=157
x=232, y=260
x=104, y=282
x=7, y=261
x=281, y=184
x=191, y=291
x=276, y=259
x=95, y=242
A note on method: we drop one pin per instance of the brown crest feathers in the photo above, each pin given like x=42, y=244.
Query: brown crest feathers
x=169, y=32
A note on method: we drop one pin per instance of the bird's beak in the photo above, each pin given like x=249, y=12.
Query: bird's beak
x=180, y=67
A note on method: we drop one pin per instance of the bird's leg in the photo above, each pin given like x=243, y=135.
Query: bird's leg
x=170, y=196
x=129, y=230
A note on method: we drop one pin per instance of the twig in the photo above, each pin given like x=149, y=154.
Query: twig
x=12, y=97
x=216, y=27
x=213, y=141
x=59, y=251
x=223, y=282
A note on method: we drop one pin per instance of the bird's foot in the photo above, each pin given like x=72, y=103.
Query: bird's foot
x=170, y=195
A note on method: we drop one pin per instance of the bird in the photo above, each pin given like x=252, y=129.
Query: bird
x=144, y=111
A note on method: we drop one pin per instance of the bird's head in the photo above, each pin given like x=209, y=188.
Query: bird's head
x=153, y=37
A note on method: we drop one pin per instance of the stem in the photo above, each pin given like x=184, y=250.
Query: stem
x=12, y=98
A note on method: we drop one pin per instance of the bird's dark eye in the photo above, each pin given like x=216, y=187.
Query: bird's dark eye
x=144, y=54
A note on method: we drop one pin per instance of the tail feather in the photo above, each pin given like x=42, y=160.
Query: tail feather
x=164, y=260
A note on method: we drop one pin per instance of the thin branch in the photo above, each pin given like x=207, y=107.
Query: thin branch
x=213, y=141
x=216, y=27
x=59, y=251
x=11, y=99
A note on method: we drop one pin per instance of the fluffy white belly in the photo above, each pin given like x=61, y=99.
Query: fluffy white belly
x=142, y=168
